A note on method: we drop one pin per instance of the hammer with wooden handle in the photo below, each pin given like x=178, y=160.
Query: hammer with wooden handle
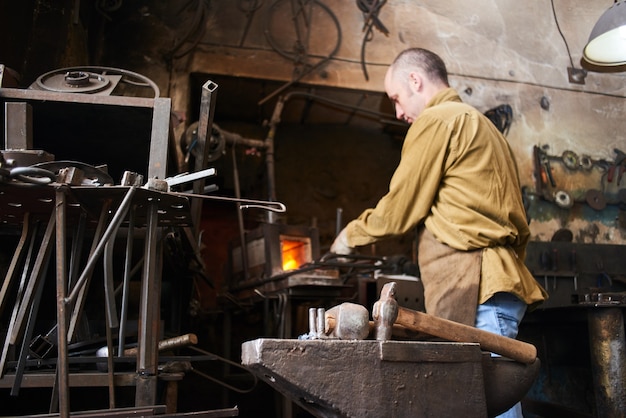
x=386, y=314
x=169, y=343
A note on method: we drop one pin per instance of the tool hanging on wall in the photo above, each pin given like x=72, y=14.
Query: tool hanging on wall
x=195, y=29
x=618, y=166
x=249, y=8
x=370, y=9
x=610, y=172
x=501, y=116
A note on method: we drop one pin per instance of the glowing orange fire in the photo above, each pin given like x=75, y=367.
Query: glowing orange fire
x=294, y=252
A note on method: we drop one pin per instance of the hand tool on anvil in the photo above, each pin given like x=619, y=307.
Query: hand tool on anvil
x=350, y=321
x=450, y=330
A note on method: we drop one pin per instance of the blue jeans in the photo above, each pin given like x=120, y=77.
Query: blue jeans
x=501, y=314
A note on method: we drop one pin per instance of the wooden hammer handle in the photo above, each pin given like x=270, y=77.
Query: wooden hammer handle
x=454, y=331
x=174, y=342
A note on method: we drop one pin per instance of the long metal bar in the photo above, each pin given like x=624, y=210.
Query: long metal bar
x=269, y=153
x=126, y=281
x=148, y=332
x=188, y=178
x=115, y=222
x=110, y=365
x=28, y=334
x=159, y=138
x=18, y=125
x=35, y=276
x=17, y=257
x=109, y=285
x=77, y=249
x=245, y=203
x=242, y=231
x=62, y=325
x=205, y=124
x=20, y=295
x=82, y=293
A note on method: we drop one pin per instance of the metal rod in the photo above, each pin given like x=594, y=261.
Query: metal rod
x=242, y=231
x=115, y=222
x=159, y=137
x=19, y=297
x=77, y=249
x=189, y=177
x=126, y=283
x=269, y=153
x=36, y=275
x=28, y=335
x=339, y=221
x=62, y=325
x=205, y=122
x=80, y=299
x=248, y=203
x=110, y=365
x=321, y=321
x=17, y=256
x=147, y=357
x=313, y=322
x=109, y=285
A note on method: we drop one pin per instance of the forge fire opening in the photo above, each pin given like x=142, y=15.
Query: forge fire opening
x=295, y=251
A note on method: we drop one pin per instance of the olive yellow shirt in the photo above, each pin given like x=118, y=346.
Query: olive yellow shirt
x=457, y=175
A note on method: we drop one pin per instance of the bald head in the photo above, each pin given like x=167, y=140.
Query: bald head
x=418, y=59
x=414, y=77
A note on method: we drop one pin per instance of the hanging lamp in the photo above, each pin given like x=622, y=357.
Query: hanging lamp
x=606, y=49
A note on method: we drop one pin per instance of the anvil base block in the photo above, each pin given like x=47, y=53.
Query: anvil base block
x=368, y=378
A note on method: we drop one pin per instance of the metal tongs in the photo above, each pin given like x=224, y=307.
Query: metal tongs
x=244, y=203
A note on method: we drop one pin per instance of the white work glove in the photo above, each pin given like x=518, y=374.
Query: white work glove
x=340, y=245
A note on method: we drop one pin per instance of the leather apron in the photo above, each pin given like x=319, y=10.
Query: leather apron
x=451, y=279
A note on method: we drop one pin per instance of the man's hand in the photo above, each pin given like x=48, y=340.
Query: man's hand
x=340, y=245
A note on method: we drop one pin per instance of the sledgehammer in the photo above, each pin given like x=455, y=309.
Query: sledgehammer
x=386, y=313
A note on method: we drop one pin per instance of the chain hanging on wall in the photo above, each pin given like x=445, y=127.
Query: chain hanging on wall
x=302, y=12
x=370, y=9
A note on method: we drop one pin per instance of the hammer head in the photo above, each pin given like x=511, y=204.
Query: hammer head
x=385, y=312
x=348, y=321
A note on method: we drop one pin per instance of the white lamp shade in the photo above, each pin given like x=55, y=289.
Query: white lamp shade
x=607, y=42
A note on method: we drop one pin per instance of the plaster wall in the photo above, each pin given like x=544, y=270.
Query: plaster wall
x=497, y=52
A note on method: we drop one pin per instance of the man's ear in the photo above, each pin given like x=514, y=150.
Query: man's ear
x=415, y=81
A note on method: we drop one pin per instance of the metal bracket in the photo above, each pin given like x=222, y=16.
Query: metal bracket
x=576, y=75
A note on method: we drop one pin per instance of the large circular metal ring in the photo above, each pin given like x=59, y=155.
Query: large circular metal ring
x=73, y=81
x=93, y=79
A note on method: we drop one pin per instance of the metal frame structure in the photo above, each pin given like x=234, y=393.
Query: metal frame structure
x=63, y=204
